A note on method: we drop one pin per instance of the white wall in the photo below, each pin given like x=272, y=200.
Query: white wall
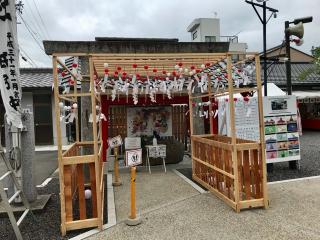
x=27, y=101
x=210, y=27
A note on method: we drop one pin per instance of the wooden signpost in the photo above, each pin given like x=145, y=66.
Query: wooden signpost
x=133, y=158
x=114, y=143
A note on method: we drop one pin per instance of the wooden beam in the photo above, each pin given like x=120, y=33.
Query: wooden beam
x=78, y=159
x=213, y=167
x=87, y=223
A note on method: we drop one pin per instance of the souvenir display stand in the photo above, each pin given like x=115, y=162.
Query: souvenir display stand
x=72, y=161
x=233, y=169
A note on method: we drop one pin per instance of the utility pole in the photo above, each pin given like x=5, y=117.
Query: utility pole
x=288, y=59
x=264, y=20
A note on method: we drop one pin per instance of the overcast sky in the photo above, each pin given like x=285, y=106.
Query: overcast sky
x=84, y=20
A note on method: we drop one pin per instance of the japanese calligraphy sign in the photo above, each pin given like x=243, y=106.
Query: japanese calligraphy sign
x=134, y=157
x=115, y=141
x=9, y=63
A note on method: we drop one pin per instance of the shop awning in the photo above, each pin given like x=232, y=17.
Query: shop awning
x=306, y=94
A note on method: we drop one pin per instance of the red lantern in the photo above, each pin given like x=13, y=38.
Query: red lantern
x=119, y=68
x=63, y=74
x=235, y=99
x=71, y=82
x=174, y=73
x=154, y=70
x=138, y=76
x=74, y=65
x=116, y=73
x=180, y=64
x=146, y=67
x=208, y=64
x=219, y=78
x=164, y=72
x=124, y=74
x=192, y=67
x=246, y=99
x=106, y=71
x=227, y=100
x=197, y=70
x=134, y=65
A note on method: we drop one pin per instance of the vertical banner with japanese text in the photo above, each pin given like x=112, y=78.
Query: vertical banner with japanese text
x=9, y=63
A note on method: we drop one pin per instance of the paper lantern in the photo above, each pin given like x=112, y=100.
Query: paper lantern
x=106, y=65
x=192, y=67
x=74, y=65
x=63, y=74
x=71, y=82
x=116, y=73
x=124, y=74
x=119, y=68
x=203, y=66
x=154, y=70
x=146, y=67
x=180, y=64
x=87, y=194
x=197, y=70
x=75, y=106
x=246, y=99
x=176, y=67
x=164, y=72
x=208, y=64
x=134, y=65
x=61, y=104
x=106, y=71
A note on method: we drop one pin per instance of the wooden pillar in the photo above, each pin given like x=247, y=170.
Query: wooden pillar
x=262, y=137
x=233, y=132
x=95, y=142
x=61, y=168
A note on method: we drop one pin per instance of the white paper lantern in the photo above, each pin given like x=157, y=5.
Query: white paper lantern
x=61, y=104
x=176, y=67
x=98, y=108
x=186, y=70
x=87, y=194
x=65, y=108
x=106, y=65
x=75, y=106
x=203, y=66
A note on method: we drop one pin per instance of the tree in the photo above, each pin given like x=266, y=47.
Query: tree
x=315, y=68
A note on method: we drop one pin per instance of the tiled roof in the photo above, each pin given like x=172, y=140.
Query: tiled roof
x=36, y=77
x=277, y=74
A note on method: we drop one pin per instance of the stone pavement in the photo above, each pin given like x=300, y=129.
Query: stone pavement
x=170, y=208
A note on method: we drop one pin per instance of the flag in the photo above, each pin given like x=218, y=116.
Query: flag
x=9, y=63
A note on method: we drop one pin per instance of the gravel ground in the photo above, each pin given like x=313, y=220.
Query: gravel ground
x=46, y=225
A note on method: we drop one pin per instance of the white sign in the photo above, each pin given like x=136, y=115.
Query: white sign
x=134, y=157
x=280, y=125
x=9, y=63
x=132, y=142
x=115, y=141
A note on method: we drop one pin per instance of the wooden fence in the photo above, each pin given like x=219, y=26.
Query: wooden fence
x=214, y=168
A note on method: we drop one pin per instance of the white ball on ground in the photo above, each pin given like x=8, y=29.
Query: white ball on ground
x=87, y=194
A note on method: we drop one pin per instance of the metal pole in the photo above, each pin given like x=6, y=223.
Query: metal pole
x=288, y=62
x=264, y=23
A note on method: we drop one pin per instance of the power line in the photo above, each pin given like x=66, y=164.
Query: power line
x=31, y=32
x=31, y=61
x=43, y=24
x=37, y=25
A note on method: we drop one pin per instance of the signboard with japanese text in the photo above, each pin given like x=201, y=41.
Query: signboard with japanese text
x=115, y=141
x=133, y=157
x=9, y=63
x=280, y=125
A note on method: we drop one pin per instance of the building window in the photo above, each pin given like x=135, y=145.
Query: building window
x=210, y=38
x=194, y=35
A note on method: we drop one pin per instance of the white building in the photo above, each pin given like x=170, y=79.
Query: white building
x=208, y=30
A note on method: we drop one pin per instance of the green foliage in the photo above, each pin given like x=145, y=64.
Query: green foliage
x=315, y=68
